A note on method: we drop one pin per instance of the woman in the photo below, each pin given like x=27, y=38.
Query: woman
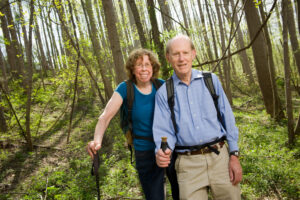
x=142, y=67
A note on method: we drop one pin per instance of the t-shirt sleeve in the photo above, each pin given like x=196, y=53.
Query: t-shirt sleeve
x=121, y=89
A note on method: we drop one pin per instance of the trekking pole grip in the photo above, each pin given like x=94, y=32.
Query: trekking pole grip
x=164, y=144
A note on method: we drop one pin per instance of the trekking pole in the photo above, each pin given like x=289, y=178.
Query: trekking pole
x=95, y=172
x=164, y=145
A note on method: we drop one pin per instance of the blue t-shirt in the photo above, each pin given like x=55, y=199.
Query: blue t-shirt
x=142, y=114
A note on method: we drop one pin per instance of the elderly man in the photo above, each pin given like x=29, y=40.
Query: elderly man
x=196, y=133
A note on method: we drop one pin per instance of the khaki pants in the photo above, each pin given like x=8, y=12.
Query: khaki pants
x=196, y=172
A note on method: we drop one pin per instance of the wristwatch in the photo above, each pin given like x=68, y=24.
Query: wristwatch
x=234, y=153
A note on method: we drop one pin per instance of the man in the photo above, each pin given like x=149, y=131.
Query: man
x=197, y=125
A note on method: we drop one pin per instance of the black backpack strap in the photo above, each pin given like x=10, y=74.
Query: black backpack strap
x=171, y=101
x=130, y=99
x=156, y=83
x=210, y=86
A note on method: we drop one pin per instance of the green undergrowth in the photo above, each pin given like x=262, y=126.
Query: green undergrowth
x=271, y=169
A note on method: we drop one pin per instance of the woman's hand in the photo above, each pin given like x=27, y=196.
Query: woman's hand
x=92, y=148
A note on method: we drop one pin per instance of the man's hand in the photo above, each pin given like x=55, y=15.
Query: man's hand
x=163, y=159
x=92, y=148
x=235, y=170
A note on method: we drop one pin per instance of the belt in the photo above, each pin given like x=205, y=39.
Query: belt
x=204, y=150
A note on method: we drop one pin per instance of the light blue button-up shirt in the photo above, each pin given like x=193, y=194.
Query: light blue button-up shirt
x=195, y=113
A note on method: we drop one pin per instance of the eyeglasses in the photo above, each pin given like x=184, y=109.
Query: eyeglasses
x=140, y=66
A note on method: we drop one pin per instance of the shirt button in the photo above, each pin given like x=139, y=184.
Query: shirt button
x=197, y=127
x=201, y=140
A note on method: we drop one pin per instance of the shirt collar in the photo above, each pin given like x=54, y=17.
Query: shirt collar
x=196, y=74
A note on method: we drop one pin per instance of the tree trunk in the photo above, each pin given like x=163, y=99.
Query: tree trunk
x=278, y=111
x=3, y=67
x=241, y=44
x=14, y=40
x=204, y=32
x=138, y=23
x=45, y=67
x=133, y=28
x=97, y=51
x=293, y=34
x=260, y=57
x=10, y=49
x=3, y=125
x=110, y=19
x=287, y=75
x=214, y=39
x=29, y=78
x=226, y=67
x=166, y=14
x=158, y=44
x=186, y=24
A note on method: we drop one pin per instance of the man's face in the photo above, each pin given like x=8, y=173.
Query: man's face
x=181, y=56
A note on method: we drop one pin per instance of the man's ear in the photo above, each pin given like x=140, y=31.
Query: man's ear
x=194, y=54
x=167, y=57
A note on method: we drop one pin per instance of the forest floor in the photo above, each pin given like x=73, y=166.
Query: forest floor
x=57, y=170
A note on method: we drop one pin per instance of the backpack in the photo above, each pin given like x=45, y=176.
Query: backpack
x=126, y=115
x=170, y=94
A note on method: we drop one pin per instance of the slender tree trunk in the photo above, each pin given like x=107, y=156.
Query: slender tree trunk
x=29, y=78
x=110, y=19
x=3, y=125
x=3, y=67
x=293, y=34
x=278, y=111
x=204, y=32
x=10, y=49
x=158, y=44
x=214, y=39
x=49, y=59
x=97, y=51
x=138, y=23
x=166, y=14
x=186, y=24
x=45, y=67
x=226, y=67
x=14, y=40
x=287, y=75
x=133, y=28
x=241, y=44
x=260, y=57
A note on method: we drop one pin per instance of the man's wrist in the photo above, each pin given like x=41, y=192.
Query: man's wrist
x=234, y=153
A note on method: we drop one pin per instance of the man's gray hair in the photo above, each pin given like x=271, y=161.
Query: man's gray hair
x=168, y=45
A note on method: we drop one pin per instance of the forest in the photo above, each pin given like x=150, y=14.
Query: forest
x=60, y=61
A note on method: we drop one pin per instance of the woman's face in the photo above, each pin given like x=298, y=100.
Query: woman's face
x=143, y=69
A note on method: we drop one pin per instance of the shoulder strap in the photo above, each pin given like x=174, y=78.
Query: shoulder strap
x=156, y=83
x=210, y=86
x=130, y=99
x=170, y=95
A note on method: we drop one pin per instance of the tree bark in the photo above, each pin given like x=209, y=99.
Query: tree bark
x=204, y=32
x=166, y=12
x=241, y=44
x=226, y=67
x=260, y=57
x=138, y=23
x=278, y=111
x=158, y=44
x=110, y=19
x=287, y=75
x=293, y=34
x=186, y=24
x=29, y=78
x=97, y=51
